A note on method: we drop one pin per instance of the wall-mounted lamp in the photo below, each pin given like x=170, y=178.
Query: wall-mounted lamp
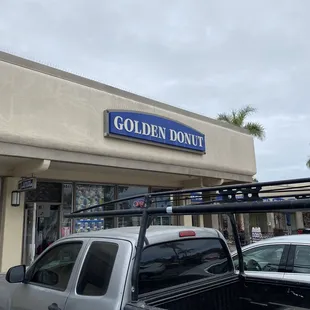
x=15, y=199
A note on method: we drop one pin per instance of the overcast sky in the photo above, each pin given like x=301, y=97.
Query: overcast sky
x=207, y=56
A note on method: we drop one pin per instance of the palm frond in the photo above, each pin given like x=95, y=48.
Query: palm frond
x=247, y=110
x=244, y=113
x=256, y=130
x=224, y=117
x=238, y=119
x=235, y=118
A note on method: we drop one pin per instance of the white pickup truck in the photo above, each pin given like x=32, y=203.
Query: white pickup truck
x=155, y=267
x=181, y=268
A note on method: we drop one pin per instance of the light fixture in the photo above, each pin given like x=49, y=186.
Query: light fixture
x=15, y=199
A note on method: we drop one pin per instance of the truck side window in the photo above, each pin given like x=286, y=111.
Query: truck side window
x=97, y=269
x=54, y=268
x=182, y=261
x=302, y=259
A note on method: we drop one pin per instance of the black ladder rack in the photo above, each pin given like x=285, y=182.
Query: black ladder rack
x=286, y=196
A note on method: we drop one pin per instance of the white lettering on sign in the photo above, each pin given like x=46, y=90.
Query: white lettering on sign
x=179, y=137
x=129, y=125
x=146, y=129
x=27, y=184
x=140, y=128
x=118, y=122
x=186, y=138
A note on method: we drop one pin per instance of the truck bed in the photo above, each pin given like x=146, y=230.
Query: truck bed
x=231, y=294
x=217, y=295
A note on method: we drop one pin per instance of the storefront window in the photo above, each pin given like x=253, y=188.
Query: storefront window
x=87, y=195
x=162, y=202
x=67, y=202
x=127, y=191
x=46, y=192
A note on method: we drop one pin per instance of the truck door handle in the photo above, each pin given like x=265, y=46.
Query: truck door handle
x=289, y=291
x=53, y=306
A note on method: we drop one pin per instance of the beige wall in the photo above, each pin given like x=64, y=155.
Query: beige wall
x=12, y=223
x=300, y=189
x=58, y=117
x=41, y=110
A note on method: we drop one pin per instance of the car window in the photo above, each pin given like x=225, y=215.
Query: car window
x=302, y=259
x=178, y=262
x=97, y=269
x=262, y=258
x=54, y=268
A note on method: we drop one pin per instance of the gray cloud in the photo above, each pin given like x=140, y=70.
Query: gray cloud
x=206, y=56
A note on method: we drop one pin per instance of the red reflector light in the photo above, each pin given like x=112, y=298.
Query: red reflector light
x=299, y=231
x=187, y=233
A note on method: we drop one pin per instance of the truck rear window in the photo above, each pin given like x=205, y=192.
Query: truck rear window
x=182, y=261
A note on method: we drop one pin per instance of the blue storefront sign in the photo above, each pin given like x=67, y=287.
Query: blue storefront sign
x=196, y=197
x=149, y=128
x=27, y=184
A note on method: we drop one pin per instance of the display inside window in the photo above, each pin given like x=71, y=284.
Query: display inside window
x=88, y=195
x=163, y=202
x=127, y=191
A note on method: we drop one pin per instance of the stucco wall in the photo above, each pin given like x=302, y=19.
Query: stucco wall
x=42, y=110
x=11, y=227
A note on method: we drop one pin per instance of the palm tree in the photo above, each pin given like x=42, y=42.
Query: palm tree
x=238, y=118
x=308, y=163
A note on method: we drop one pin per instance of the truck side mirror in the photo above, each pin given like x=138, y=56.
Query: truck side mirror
x=16, y=274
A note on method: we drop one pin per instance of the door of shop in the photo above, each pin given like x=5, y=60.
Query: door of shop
x=42, y=227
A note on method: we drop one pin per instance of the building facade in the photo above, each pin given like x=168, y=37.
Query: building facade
x=67, y=143
x=284, y=222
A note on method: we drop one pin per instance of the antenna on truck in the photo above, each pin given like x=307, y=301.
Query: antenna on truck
x=276, y=196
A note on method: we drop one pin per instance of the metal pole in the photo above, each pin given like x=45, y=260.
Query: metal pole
x=140, y=245
x=237, y=243
x=33, y=237
x=233, y=207
x=232, y=189
x=242, y=207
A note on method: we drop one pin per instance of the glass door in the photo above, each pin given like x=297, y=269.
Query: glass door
x=47, y=226
x=29, y=234
x=41, y=228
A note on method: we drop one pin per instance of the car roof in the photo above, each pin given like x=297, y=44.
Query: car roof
x=288, y=238
x=280, y=239
x=154, y=234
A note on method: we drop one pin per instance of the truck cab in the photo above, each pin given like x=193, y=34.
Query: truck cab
x=94, y=269
x=156, y=267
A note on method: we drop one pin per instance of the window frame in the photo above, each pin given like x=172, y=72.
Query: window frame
x=30, y=271
x=223, y=275
x=81, y=269
x=283, y=260
x=291, y=258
